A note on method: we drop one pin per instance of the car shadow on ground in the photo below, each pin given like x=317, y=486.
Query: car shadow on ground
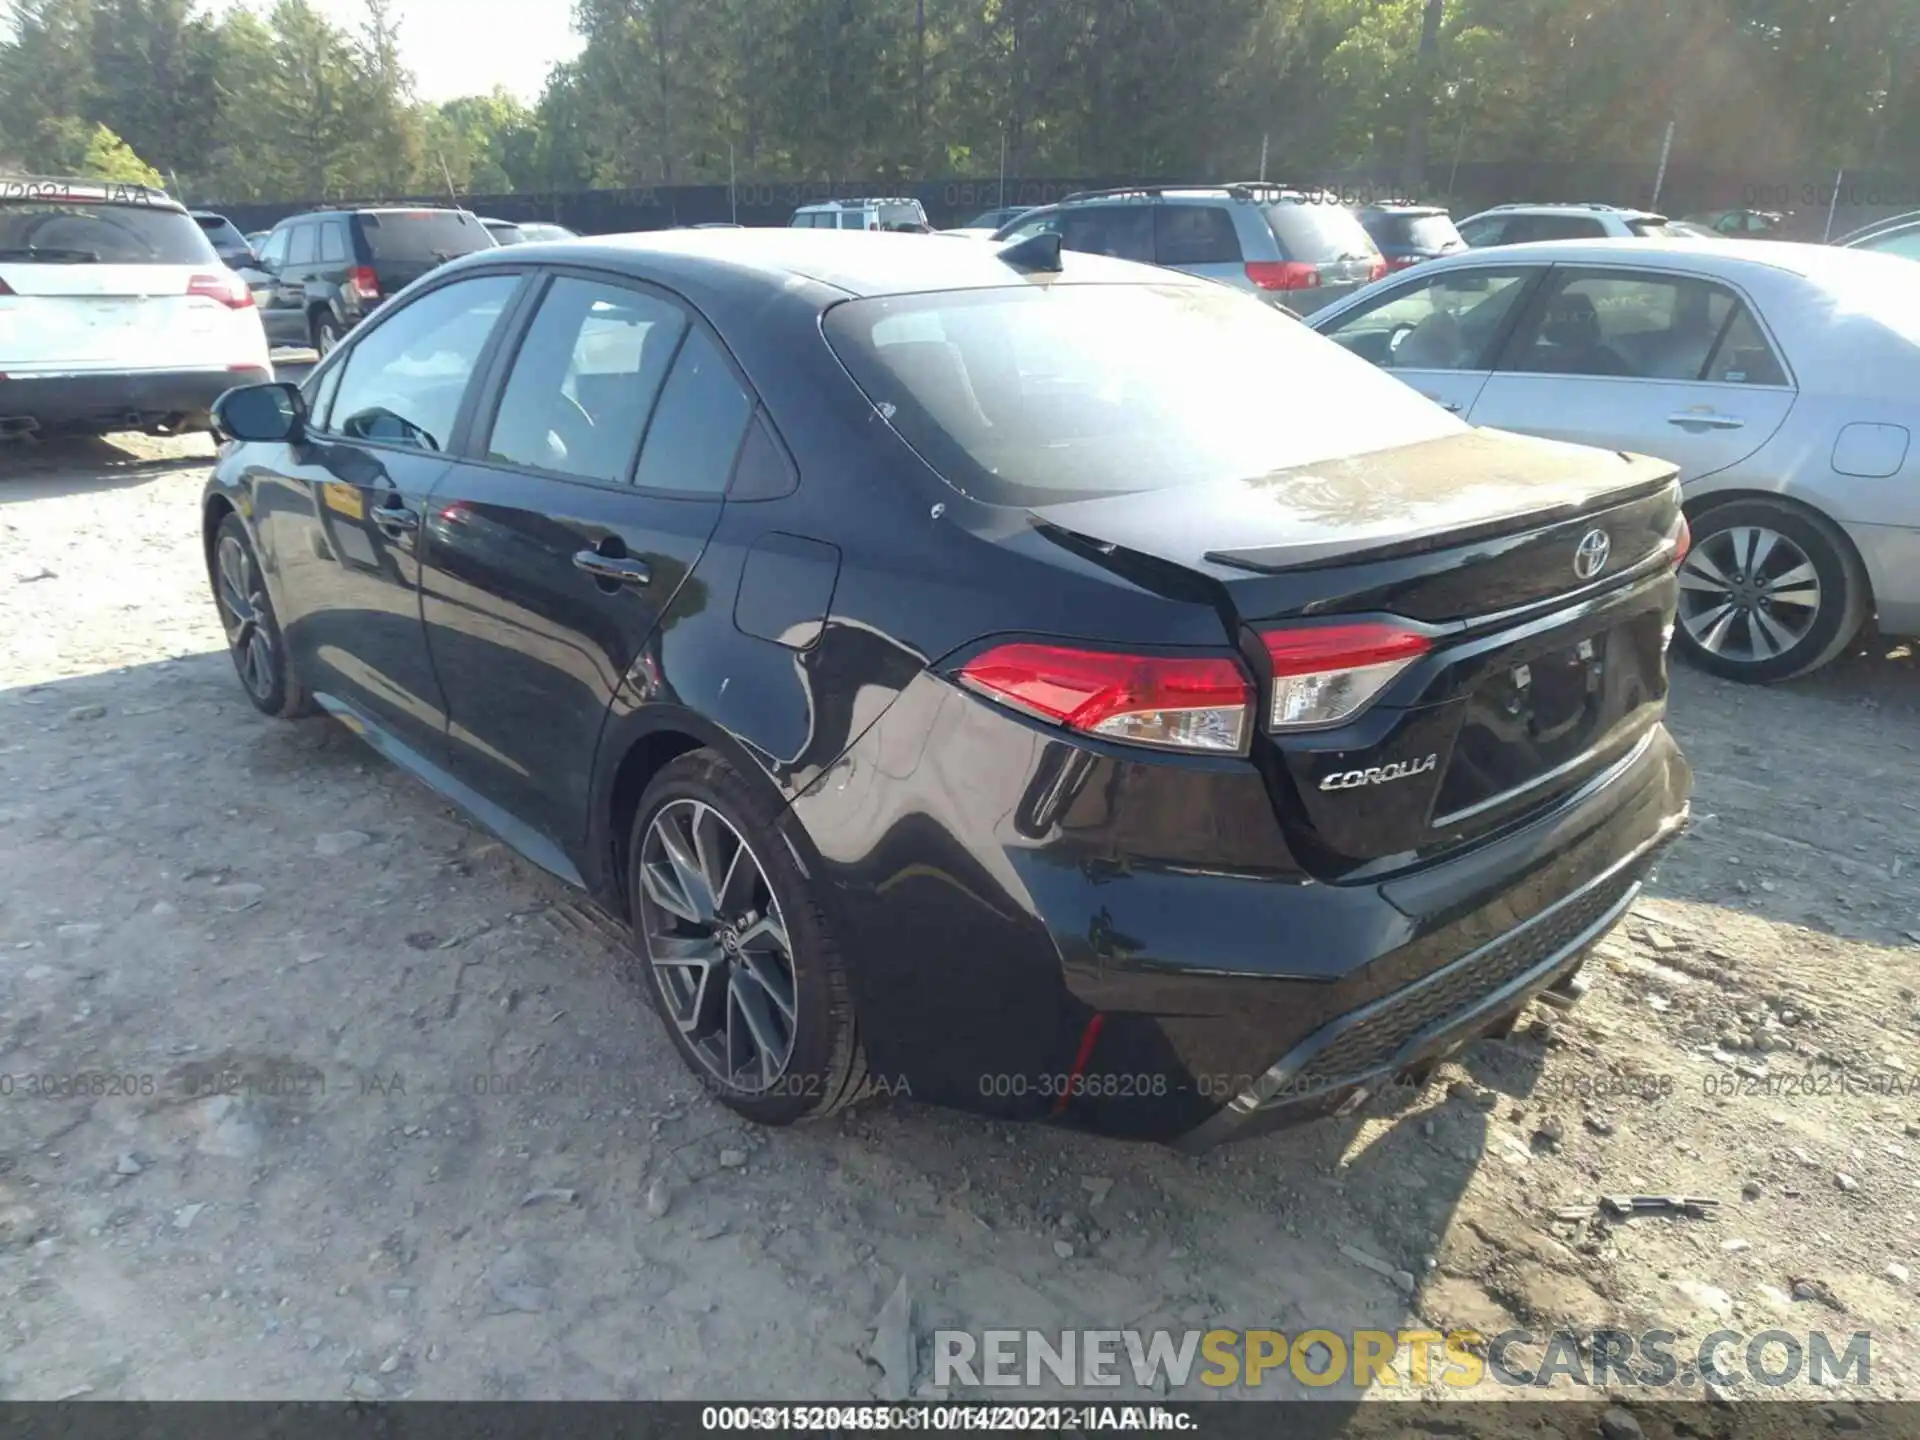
x=85, y=465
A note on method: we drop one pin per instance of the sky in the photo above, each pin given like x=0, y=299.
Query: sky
x=466, y=47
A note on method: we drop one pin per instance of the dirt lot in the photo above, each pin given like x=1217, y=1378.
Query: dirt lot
x=463, y=1162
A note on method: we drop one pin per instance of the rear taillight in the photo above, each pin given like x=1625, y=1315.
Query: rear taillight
x=1682, y=542
x=1327, y=674
x=1380, y=268
x=363, y=282
x=229, y=289
x=1404, y=262
x=1283, y=275
x=1193, y=703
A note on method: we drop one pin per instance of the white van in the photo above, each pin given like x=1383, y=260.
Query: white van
x=861, y=215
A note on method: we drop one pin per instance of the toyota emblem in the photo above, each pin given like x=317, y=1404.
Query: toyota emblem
x=1590, y=555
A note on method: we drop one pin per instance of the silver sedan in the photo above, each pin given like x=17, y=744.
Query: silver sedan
x=1783, y=379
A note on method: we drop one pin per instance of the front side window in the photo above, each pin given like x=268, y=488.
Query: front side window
x=274, y=252
x=1488, y=230
x=405, y=378
x=1524, y=228
x=1038, y=394
x=584, y=382
x=1636, y=326
x=1448, y=323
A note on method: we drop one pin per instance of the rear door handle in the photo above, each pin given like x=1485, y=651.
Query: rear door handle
x=619, y=569
x=395, y=519
x=1446, y=405
x=1706, y=420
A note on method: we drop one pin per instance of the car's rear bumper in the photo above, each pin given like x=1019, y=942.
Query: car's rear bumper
x=1892, y=557
x=1041, y=929
x=118, y=400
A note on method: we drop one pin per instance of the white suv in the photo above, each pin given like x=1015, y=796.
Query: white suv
x=115, y=313
x=861, y=215
x=1519, y=224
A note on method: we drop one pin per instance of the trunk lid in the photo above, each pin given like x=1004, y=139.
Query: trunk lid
x=1539, y=675
x=68, y=317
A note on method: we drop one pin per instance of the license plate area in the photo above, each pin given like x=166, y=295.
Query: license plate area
x=1549, y=710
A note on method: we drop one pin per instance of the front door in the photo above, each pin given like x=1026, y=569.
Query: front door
x=1438, y=333
x=1660, y=363
x=555, y=546
x=341, y=513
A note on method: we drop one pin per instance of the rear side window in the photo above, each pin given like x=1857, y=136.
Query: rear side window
x=1416, y=232
x=1524, y=228
x=698, y=424
x=302, y=245
x=853, y=220
x=1316, y=231
x=333, y=241
x=1196, y=235
x=1489, y=231
x=584, y=381
x=422, y=234
x=891, y=215
x=58, y=232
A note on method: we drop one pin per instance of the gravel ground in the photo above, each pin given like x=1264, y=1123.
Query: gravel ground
x=461, y=1160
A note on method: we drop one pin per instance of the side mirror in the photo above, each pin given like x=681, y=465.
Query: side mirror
x=261, y=412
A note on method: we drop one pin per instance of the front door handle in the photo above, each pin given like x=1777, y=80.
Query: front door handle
x=1706, y=420
x=615, y=568
x=395, y=519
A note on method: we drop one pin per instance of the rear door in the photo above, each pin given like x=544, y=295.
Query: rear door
x=1125, y=232
x=554, y=547
x=91, y=284
x=1660, y=363
x=1201, y=240
x=1440, y=333
x=341, y=514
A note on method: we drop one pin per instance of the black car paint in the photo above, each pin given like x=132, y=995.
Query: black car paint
x=1041, y=925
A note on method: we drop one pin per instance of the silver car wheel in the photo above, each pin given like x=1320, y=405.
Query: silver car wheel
x=1748, y=593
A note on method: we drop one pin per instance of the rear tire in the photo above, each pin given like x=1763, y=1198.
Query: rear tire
x=325, y=332
x=254, y=642
x=740, y=963
x=1769, y=591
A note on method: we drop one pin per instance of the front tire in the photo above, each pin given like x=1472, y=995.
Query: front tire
x=1768, y=591
x=254, y=641
x=740, y=964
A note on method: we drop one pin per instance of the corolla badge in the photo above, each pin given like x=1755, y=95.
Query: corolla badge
x=1379, y=774
x=1590, y=555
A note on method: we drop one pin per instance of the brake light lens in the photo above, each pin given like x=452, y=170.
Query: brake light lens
x=364, y=282
x=1192, y=703
x=1283, y=275
x=228, y=289
x=1380, y=268
x=1327, y=674
x=1682, y=542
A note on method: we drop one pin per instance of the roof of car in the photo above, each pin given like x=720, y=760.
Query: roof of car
x=858, y=262
x=1794, y=257
x=15, y=185
x=1569, y=207
x=859, y=203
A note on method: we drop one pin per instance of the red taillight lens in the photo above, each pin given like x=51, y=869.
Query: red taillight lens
x=364, y=282
x=1682, y=542
x=1327, y=674
x=1283, y=275
x=1197, y=703
x=1405, y=262
x=229, y=289
x=1380, y=268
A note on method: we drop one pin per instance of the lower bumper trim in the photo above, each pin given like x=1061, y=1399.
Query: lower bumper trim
x=1313, y=1072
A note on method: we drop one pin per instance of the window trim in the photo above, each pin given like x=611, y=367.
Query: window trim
x=1503, y=361
x=456, y=444
x=493, y=384
x=1532, y=277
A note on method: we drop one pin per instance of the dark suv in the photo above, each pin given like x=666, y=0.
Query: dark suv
x=1299, y=249
x=329, y=269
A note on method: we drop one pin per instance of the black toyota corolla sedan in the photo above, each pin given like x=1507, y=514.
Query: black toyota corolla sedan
x=1027, y=682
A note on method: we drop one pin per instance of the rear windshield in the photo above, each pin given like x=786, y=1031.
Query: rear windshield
x=1037, y=394
x=1420, y=232
x=422, y=234
x=1315, y=231
x=76, y=233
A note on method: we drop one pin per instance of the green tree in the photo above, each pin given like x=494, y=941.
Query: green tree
x=108, y=157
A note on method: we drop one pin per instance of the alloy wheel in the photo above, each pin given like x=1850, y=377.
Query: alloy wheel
x=243, y=605
x=1748, y=594
x=718, y=945
x=327, y=338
